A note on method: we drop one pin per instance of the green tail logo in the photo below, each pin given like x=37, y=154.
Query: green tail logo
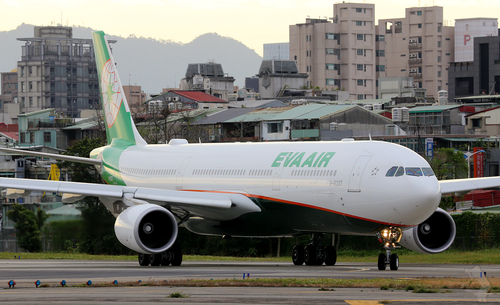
x=119, y=123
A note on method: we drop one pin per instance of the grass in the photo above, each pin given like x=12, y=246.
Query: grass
x=491, y=256
x=177, y=295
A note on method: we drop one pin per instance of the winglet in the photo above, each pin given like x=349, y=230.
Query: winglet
x=118, y=121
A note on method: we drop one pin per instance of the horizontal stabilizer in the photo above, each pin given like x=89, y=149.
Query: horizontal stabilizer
x=20, y=152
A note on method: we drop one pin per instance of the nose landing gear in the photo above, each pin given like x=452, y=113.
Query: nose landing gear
x=389, y=237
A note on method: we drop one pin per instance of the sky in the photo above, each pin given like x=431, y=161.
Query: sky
x=252, y=22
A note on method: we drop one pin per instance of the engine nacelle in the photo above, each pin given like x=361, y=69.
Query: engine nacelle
x=146, y=228
x=434, y=235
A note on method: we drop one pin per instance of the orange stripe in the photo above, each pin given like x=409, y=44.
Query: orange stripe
x=303, y=205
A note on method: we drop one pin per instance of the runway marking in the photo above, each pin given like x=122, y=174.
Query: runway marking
x=364, y=302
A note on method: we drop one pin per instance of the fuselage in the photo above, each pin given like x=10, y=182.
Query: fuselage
x=348, y=187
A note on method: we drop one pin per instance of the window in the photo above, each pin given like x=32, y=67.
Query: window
x=400, y=172
x=333, y=82
x=359, y=51
x=380, y=53
x=330, y=51
x=360, y=96
x=439, y=58
x=391, y=171
x=32, y=137
x=381, y=68
x=419, y=25
x=359, y=67
x=414, y=171
x=419, y=13
x=332, y=66
x=447, y=38
x=359, y=36
x=359, y=10
x=23, y=137
x=359, y=23
x=439, y=44
x=447, y=54
x=332, y=36
x=427, y=171
x=46, y=136
x=274, y=127
x=360, y=82
x=380, y=38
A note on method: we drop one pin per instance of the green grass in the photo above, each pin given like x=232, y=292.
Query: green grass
x=491, y=256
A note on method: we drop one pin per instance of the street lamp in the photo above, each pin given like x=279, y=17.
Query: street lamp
x=468, y=161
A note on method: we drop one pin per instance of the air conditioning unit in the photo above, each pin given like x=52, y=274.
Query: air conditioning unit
x=413, y=70
x=413, y=55
x=175, y=99
x=168, y=99
x=415, y=85
x=413, y=40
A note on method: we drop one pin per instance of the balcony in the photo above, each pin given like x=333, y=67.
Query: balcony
x=415, y=61
x=414, y=46
x=415, y=75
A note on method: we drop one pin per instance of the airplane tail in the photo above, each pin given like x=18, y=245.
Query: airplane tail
x=118, y=121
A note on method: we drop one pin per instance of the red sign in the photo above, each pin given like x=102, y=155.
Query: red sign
x=466, y=39
x=478, y=162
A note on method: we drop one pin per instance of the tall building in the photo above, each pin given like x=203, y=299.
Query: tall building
x=468, y=29
x=418, y=46
x=57, y=71
x=338, y=54
x=277, y=51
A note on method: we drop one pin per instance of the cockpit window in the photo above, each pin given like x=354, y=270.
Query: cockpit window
x=427, y=171
x=391, y=171
x=414, y=171
x=400, y=172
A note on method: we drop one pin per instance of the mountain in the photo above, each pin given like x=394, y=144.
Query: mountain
x=150, y=63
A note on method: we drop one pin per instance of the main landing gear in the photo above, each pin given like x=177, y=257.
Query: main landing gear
x=314, y=254
x=389, y=236
x=172, y=256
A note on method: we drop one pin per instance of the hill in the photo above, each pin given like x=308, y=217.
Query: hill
x=153, y=64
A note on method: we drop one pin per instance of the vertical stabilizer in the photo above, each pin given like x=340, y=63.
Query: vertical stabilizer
x=118, y=121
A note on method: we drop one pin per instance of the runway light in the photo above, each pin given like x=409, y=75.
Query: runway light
x=115, y=282
x=12, y=283
x=63, y=283
x=37, y=283
x=89, y=283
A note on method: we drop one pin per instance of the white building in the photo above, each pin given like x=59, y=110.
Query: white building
x=465, y=32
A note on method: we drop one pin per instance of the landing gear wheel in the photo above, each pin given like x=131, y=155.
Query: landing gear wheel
x=310, y=255
x=298, y=255
x=394, y=261
x=381, y=261
x=176, y=258
x=144, y=259
x=330, y=255
x=156, y=259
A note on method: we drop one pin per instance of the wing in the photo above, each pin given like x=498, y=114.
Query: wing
x=466, y=185
x=209, y=205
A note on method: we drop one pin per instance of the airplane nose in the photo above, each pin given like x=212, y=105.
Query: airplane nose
x=426, y=199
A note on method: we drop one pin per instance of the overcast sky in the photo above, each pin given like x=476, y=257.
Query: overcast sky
x=253, y=22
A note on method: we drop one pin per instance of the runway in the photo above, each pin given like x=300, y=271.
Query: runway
x=74, y=272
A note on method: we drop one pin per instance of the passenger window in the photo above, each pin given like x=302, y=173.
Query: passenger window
x=427, y=171
x=400, y=172
x=391, y=171
x=414, y=171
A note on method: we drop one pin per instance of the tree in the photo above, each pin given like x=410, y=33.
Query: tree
x=449, y=163
x=28, y=227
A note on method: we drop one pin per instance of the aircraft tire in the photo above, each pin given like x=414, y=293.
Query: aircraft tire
x=381, y=261
x=394, y=261
x=310, y=255
x=144, y=259
x=176, y=258
x=298, y=255
x=330, y=255
x=156, y=259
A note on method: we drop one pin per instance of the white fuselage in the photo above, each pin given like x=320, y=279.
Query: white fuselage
x=346, y=178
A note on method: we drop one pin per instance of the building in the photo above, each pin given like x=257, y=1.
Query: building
x=484, y=123
x=208, y=77
x=135, y=95
x=278, y=78
x=468, y=29
x=9, y=87
x=57, y=71
x=279, y=51
x=436, y=120
x=183, y=100
x=391, y=87
x=478, y=77
x=417, y=45
x=338, y=54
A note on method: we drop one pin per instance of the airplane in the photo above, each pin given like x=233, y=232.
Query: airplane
x=265, y=189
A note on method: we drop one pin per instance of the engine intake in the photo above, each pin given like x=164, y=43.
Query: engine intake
x=146, y=228
x=434, y=235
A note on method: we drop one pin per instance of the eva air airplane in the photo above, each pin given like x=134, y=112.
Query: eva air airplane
x=257, y=189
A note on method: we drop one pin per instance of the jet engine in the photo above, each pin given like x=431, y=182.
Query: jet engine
x=434, y=235
x=146, y=228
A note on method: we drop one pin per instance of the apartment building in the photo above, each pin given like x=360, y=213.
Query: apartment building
x=339, y=53
x=57, y=71
x=417, y=46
